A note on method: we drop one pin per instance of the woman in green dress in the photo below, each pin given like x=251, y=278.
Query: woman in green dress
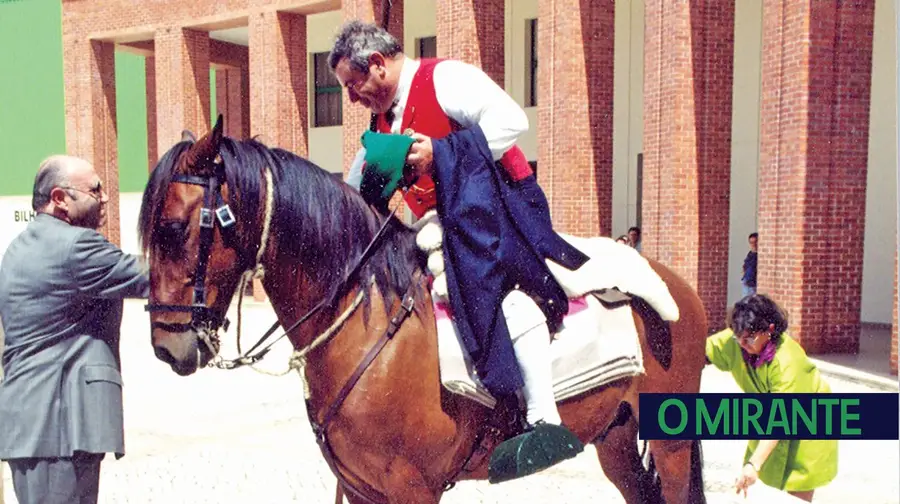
x=763, y=358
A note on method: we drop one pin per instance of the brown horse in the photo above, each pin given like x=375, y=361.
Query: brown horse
x=218, y=207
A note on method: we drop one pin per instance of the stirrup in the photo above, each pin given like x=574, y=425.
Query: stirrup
x=541, y=446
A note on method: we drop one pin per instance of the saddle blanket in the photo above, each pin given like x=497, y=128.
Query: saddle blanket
x=595, y=346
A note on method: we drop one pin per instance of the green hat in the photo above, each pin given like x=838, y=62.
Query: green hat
x=385, y=160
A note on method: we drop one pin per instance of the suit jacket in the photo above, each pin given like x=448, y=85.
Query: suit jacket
x=61, y=292
x=497, y=234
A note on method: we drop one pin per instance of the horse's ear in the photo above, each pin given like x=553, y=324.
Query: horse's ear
x=203, y=153
x=216, y=132
x=188, y=136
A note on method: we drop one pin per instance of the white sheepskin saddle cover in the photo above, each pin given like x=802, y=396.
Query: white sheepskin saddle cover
x=595, y=345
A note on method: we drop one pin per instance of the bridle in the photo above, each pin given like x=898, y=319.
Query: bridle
x=205, y=321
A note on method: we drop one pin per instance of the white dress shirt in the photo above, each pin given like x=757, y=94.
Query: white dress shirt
x=468, y=96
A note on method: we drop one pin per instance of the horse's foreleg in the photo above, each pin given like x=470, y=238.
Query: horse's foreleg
x=621, y=462
x=404, y=484
x=673, y=463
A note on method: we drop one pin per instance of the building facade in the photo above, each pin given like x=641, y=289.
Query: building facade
x=699, y=120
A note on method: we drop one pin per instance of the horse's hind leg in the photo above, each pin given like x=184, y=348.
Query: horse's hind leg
x=621, y=462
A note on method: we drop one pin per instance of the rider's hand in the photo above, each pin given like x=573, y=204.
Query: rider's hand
x=747, y=478
x=420, y=157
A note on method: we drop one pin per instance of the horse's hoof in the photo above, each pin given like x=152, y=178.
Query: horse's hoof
x=543, y=446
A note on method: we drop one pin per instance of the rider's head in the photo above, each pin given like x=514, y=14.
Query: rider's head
x=366, y=60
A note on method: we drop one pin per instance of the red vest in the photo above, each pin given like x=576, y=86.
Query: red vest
x=423, y=114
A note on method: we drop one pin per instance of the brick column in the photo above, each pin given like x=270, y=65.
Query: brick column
x=355, y=116
x=182, y=85
x=90, y=91
x=688, y=62
x=230, y=100
x=814, y=123
x=278, y=95
x=150, y=79
x=575, y=113
x=473, y=31
x=894, y=325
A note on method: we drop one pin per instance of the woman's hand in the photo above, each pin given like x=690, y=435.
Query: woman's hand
x=747, y=478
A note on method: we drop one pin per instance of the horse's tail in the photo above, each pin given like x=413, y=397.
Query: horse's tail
x=697, y=495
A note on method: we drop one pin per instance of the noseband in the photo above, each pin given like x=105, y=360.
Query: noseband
x=204, y=320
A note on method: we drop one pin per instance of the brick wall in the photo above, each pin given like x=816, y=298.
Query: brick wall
x=894, y=326
x=473, y=31
x=182, y=85
x=813, y=159
x=356, y=117
x=150, y=78
x=688, y=61
x=575, y=113
x=278, y=88
x=90, y=93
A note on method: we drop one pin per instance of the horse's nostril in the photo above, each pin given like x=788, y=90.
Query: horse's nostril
x=164, y=355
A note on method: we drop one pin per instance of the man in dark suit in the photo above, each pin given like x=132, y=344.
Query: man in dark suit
x=61, y=290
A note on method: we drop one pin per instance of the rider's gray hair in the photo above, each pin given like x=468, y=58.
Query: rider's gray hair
x=53, y=172
x=357, y=41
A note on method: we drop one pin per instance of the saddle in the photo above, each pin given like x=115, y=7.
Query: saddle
x=596, y=344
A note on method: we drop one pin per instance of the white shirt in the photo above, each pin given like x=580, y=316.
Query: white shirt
x=468, y=96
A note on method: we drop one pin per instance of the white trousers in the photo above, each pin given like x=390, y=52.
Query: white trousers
x=531, y=343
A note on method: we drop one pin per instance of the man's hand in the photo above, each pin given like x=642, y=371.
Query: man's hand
x=420, y=157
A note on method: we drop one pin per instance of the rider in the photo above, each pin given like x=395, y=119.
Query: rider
x=433, y=98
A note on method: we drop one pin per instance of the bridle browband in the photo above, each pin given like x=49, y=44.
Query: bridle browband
x=204, y=319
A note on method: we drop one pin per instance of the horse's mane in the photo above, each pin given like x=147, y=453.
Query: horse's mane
x=320, y=223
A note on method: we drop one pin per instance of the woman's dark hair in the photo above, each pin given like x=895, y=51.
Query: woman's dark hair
x=755, y=313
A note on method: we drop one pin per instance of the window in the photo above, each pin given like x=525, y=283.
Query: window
x=426, y=47
x=328, y=106
x=531, y=62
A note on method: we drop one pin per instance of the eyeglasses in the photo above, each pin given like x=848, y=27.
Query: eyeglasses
x=749, y=338
x=96, y=192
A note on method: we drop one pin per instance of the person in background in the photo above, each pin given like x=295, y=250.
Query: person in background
x=61, y=290
x=624, y=240
x=763, y=359
x=748, y=272
x=634, y=233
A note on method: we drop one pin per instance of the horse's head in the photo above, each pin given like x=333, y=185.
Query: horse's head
x=189, y=232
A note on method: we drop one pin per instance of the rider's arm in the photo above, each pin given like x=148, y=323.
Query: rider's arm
x=468, y=96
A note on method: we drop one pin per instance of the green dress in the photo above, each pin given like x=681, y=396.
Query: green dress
x=794, y=466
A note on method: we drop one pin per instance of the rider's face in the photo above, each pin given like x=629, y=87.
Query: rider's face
x=370, y=89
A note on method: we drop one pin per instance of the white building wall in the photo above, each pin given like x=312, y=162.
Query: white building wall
x=881, y=188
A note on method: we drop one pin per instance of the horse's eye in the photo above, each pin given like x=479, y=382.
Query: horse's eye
x=170, y=236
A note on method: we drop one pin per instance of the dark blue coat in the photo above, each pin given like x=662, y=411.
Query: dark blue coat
x=496, y=235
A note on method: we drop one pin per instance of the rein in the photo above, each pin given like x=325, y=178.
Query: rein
x=250, y=358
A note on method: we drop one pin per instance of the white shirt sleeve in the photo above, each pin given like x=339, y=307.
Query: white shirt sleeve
x=468, y=96
x=354, y=175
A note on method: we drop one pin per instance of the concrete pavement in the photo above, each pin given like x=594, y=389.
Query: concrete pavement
x=242, y=437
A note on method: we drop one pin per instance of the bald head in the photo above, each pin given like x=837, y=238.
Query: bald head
x=68, y=188
x=53, y=172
